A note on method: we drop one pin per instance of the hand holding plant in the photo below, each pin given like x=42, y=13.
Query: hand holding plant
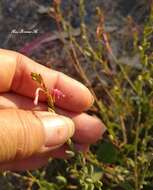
x=29, y=135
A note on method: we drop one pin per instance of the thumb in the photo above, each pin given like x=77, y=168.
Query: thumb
x=24, y=133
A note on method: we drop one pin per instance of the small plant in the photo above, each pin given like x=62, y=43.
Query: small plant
x=51, y=96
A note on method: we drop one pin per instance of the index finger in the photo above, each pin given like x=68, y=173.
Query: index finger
x=16, y=69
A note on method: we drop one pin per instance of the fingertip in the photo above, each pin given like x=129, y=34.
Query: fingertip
x=88, y=129
x=78, y=97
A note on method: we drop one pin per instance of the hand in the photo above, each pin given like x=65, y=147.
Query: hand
x=29, y=135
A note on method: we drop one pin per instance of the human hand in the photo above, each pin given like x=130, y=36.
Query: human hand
x=29, y=135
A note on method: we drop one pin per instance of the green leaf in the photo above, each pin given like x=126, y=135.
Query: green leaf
x=107, y=153
x=97, y=174
x=91, y=187
x=127, y=186
x=45, y=185
x=61, y=180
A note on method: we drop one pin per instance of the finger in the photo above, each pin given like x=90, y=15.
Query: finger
x=16, y=75
x=37, y=161
x=31, y=163
x=12, y=100
x=24, y=133
x=88, y=129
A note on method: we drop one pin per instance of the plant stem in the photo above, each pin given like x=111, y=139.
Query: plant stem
x=136, y=169
x=123, y=130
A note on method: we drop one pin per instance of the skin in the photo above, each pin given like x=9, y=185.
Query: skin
x=24, y=141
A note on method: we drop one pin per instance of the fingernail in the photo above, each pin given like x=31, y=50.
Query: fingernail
x=69, y=123
x=104, y=129
x=58, y=129
x=93, y=99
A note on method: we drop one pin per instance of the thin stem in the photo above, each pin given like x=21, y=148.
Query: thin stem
x=136, y=169
x=124, y=73
x=34, y=179
x=123, y=131
x=81, y=71
x=146, y=169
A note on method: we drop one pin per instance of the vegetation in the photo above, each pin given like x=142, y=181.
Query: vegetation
x=123, y=160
